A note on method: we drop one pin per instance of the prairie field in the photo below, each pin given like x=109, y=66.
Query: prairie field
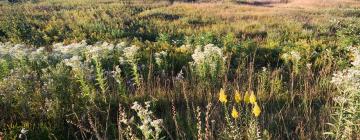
x=179, y=69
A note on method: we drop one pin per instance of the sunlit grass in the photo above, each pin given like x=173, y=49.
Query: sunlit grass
x=122, y=69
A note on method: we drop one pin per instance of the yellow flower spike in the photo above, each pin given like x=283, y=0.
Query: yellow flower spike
x=237, y=96
x=252, y=98
x=234, y=113
x=222, y=96
x=247, y=97
x=256, y=110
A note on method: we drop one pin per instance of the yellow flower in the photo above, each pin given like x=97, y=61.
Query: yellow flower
x=234, y=113
x=256, y=110
x=237, y=96
x=252, y=98
x=222, y=96
x=247, y=97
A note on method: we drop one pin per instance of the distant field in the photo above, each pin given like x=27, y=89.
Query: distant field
x=147, y=69
x=57, y=21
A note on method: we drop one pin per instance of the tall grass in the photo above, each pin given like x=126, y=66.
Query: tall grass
x=184, y=71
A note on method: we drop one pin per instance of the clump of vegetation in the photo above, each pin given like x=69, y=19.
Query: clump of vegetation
x=123, y=70
x=345, y=116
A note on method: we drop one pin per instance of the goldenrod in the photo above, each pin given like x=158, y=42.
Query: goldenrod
x=237, y=96
x=252, y=98
x=247, y=97
x=234, y=113
x=256, y=110
x=222, y=96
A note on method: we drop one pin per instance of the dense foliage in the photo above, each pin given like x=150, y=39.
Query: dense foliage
x=128, y=70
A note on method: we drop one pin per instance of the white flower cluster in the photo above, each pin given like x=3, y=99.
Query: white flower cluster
x=151, y=128
x=292, y=56
x=20, y=51
x=206, y=54
x=68, y=54
x=349, y=77
x=72, y=54
x=73, y=62
x=69, y=50
x=159, y=57
x=347, y=105
x=208, y=59
x=82, y=48
x=356, y=54
x=131, y=53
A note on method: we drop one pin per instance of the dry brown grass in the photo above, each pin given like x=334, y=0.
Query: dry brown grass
x=268, y=7
x=233, y=12
x=324, y=3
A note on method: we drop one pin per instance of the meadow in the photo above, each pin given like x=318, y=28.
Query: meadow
x=123, y=69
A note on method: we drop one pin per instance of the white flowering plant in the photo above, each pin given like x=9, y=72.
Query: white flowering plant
x=208, y=62
x=345, y=118
x=144, y=121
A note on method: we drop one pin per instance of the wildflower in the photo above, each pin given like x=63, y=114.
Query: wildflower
x=73, y=62
x=264, y=69
x=256, y=110
x=237, y=96
x=159, y=57
x=252, y=98
x=295, y=56
x=308, y=65
x=210, y=57
x=292, y=56
x=180, y=75
x=222, y=96
x=23, y=133
x=247, y=97
x=340, y=100
x=234, y=113
x=355, y=60
x=149, y=127
x=122, y=60
x=131, y=53
x=183, y=49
